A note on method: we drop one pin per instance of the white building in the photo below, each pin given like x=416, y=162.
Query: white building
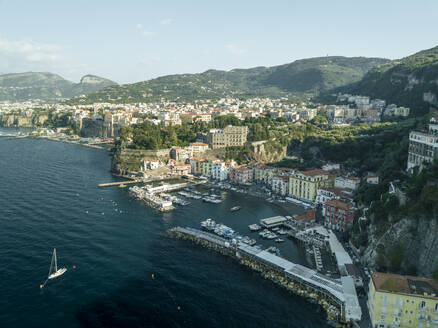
x=280, y=185
x=149, y=164
x=347, y=183
x=220, y=171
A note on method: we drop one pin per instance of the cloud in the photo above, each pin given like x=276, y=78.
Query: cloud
x=166, y=21
x=30, y=50
x=235, y=49
x=143, y=31
x=28, y=55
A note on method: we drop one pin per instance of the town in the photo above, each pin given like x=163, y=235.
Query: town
x=327, y=193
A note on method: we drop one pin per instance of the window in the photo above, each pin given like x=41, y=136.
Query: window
x=422, y=304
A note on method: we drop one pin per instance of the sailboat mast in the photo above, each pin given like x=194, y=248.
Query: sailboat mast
x=56, y=264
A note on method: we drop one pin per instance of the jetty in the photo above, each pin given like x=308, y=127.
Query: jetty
x=118, y=183
x=151, y=199
x=336, y=296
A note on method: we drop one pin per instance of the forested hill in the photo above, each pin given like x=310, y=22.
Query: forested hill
x=301, y=77
x=411, y=81
x=47, y=86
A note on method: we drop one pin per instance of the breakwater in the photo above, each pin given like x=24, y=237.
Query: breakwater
x=334, y=296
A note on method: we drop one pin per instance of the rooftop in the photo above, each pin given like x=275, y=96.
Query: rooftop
x=394, y=283
x=312, y=173
x=339, y=204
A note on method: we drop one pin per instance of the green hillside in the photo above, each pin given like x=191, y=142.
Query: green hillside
x=411, y=81
x=46, y=86
x=302, y=77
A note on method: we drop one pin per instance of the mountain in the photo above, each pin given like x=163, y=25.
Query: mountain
x=301, y=77
x=411, y=81
x=46, y=86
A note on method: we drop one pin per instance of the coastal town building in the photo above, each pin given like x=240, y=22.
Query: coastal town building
x=230, y=136
x=307, y=217
x=169, y=118
x=220, y=171
x=149, y=164
x=423, y=146
x=402, y=301
x=372, y=178
x=197, y=148
x=347, y=182
x=241, y=175
x=339, y=215
x=280, y=185
x=263, y=174
x=304, y=184
x=196, y=165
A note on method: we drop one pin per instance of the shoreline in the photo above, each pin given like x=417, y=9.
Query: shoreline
x=57, y=139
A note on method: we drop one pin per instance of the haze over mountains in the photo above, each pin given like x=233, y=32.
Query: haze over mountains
x=411, y=81
x=47, y=86
x=307, y=76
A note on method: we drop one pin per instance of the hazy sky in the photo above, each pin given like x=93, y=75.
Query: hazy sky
x=129, y=41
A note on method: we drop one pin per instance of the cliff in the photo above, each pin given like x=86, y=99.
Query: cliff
x=414, y=240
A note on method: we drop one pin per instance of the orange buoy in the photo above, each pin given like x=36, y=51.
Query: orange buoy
x=153, y=276
x=103, y=213
x=41, y=286
x=74, y=266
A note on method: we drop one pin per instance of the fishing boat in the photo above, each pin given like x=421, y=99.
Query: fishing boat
x=54, y=265
x=235, y=208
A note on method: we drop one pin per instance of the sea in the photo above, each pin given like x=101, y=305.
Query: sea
x=122, y=268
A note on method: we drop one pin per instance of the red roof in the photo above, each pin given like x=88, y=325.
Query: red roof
x=309, y=216
x=312, y=173
x=338, y=204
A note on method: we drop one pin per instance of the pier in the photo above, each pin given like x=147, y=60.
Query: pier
x=119, y=183
x=337, y=296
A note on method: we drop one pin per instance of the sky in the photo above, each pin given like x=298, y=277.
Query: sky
x=130, y=41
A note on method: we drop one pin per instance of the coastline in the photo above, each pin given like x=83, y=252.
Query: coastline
x=54, y=138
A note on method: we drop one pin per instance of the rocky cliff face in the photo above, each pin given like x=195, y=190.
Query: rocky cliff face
x=416, y=239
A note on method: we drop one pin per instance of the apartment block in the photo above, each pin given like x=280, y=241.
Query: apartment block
x=231, y=136
x=423, y=145
x=402, y=301
x=304, y=184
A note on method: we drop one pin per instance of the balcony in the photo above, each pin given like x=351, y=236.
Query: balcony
x=423, y=309
x=423, y=318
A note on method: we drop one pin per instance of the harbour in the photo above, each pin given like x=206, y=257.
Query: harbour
x=116, y=253
x=337, y=297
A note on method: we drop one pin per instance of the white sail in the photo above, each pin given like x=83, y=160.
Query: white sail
x=57, y=272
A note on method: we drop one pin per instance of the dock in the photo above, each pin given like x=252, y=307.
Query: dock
x=336, y=296
x=118, y=183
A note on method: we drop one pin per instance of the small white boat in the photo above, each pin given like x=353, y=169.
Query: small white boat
x=57, y=272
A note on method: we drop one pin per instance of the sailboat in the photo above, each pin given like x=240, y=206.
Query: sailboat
x=56, y=273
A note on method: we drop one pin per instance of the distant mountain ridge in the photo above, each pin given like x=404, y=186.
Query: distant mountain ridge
x=303, y=77
x=411, y=81
x=47, y=86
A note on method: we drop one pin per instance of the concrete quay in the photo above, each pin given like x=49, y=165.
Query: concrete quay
x=337, y=297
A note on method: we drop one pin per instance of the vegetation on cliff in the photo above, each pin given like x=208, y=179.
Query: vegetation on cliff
x=411, y=81
x=301, y=77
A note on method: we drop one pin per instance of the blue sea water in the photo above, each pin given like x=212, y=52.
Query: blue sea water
x=46, y=189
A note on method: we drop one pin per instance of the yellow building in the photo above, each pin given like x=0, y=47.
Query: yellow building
x=263, y=174
x=401, y=111
x=304, y=184
x=402, y=301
